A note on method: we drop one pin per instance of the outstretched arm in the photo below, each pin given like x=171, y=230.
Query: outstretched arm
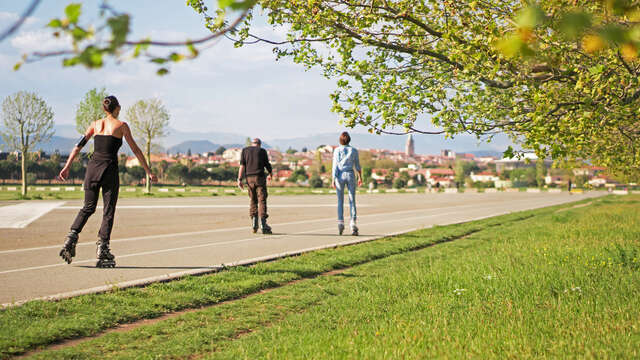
x=137, y=152
x=64, y=173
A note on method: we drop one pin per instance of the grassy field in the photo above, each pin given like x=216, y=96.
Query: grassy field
x=555, y=282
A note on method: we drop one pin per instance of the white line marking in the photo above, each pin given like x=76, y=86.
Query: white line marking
x=20, y=215
x=188, y=233
x=204, y=206
x=254, y=238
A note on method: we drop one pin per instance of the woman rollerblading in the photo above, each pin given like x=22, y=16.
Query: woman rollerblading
x=69, y=248
x=101, y=175
x=346, y=165
x=104, y=255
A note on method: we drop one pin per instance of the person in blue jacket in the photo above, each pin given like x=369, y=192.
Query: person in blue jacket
x=346, y=164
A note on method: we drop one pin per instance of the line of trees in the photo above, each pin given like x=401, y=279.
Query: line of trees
x=26, y=120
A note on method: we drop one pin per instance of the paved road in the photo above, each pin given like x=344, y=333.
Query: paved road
x=159, y=238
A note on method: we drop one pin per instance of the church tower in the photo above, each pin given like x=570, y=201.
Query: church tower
x=409, y=148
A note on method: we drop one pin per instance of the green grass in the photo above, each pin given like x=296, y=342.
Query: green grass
x=532, y=284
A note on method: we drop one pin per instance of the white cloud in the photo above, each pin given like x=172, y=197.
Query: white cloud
x=39, y=40
x=9, y=18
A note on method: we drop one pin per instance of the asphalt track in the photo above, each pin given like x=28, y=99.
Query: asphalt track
x=156, y=239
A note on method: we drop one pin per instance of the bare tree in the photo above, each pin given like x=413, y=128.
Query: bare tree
x=90, y=109
x=149, y=120
x=26, y=121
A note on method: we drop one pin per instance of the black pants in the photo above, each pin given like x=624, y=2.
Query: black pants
x=110, y=185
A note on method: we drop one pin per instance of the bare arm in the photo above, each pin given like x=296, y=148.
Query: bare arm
x=136, y=150
x=64, y=173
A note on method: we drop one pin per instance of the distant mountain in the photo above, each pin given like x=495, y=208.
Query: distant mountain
x=66, y=130
x=176, y=137
x=424, y=144
x=199, y=147
x=483, y=153
x=61, y=144
x=196, y=147
x=199, y=142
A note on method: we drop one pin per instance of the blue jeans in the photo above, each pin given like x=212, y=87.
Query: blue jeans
x=348, y=179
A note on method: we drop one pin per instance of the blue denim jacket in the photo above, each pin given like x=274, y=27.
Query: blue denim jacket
x=345, y=159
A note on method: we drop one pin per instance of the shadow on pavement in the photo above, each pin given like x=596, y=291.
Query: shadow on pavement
x=151, y=267
x=346, y=234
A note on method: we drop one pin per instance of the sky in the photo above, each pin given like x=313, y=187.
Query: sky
x=226, y=89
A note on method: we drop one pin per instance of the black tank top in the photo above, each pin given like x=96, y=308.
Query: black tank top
x=106, y=147
x=103, y=161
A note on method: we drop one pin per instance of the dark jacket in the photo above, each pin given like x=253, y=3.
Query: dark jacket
x=255, y=160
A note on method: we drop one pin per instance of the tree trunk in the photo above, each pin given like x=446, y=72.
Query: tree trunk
x=148, y=184
x=24, y=174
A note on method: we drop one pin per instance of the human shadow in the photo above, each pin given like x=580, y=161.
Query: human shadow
x=154, y=267
x=346, y=234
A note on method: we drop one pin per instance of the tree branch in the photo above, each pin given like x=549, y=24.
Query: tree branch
x=32, y=7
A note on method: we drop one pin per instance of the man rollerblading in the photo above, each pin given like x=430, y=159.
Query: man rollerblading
x=104, y=255
x=266, y=229
x=253, y=162
x=68, y=250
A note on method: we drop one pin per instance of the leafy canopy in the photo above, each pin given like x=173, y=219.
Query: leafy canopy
x=561, y=77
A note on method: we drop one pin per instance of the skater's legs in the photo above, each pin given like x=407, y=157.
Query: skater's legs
x=350, y=180
x=110, y=191
x=252, y=184
x=262, y=194
x=89, y=207
x=340, y=192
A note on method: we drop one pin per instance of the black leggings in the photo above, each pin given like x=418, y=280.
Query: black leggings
x=110, y=185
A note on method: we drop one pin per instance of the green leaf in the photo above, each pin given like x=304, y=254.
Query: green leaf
x=530, y=17
x=192, y=49
x=614, y=33
x=119, y=29
x=508, y=154
x=574, y=23
x=225, y=3
x=175, y=57
x=55, y=23
x=71, y=61
x=78, y=33
x=159, y=60
x=17, y=66
x=73, y=12
x=243, y=5
x=513, y=46
x=162, y=71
